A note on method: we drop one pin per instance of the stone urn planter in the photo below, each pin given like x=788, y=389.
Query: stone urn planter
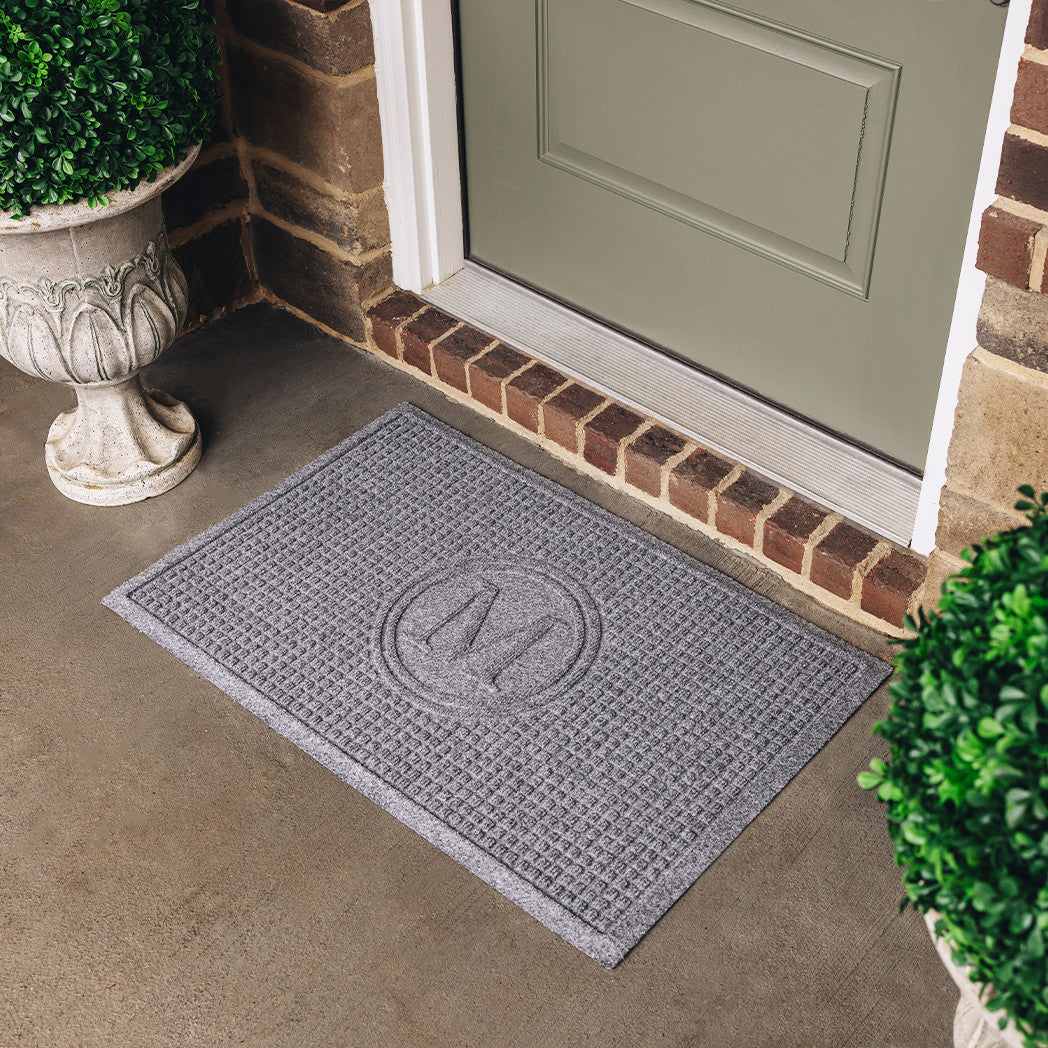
x=88, y=297
x=973, y=1025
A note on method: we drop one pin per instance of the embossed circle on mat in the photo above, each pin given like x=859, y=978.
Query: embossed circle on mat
x=488, y=636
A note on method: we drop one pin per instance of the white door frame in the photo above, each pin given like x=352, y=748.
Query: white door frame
x=415, y=71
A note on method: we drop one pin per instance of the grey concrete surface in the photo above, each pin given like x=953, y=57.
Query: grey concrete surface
x=172, y=872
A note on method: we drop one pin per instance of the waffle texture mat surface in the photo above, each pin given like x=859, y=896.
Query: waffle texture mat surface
x=578, y=713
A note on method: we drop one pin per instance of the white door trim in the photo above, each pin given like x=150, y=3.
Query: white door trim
x=961, y=339
x=415, y=71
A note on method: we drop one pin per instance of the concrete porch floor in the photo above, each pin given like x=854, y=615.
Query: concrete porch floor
x=173, y=872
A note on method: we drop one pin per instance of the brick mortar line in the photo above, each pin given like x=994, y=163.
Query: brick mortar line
x=620, y=461
x=467, y=365
x=436, y=342
x=922, y=594
x=953, y=557
x=245, y=43
x=917, y=597
x=253, y=297
x=183, y=235
x=371, y=301
x=975, y=496
x=1020, y=209
x=883, y=549
x=814, y=539
x=580, y=425
x=1028, y=134
x=690, y=446
x=213, y=152
x=330, y=15
x=1036, y=55
x=317, y=240
x=450, y=331
x=249, y=250
x=542, y=403
x=1040, y=249
x=311, y=178
x=530, y=362
x=398, y=331
x=776, y=503
x=275, y=300
x=847, y=608
x=711, y=499
x=1033, y=376
x=247, y=172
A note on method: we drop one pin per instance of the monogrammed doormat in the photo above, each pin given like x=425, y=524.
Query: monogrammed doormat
x=579, y=714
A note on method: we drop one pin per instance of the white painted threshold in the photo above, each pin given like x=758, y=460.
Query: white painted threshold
x=875, y=494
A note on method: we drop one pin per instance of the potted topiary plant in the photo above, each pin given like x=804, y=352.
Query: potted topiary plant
x=966, y=783
x=103, y=105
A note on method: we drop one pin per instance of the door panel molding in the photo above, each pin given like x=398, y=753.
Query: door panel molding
x=809, y=461
x=869, y=116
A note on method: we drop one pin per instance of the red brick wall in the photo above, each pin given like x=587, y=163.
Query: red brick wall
x=1014, y=234
x=305, y=111
x=1000, y=437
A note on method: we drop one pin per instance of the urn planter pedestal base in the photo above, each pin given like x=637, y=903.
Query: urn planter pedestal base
x=121, y=443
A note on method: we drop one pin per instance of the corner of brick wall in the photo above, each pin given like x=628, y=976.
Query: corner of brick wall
x=999, y=438
x=305, y=114
x=206, y=214
x=285, y=201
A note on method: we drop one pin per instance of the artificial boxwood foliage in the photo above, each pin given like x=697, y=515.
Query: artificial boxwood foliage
x=97, y=95
x=966, y=783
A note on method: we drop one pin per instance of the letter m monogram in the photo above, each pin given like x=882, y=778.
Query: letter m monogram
x=479, y=650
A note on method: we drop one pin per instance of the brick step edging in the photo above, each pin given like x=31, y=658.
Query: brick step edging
x=853, y=571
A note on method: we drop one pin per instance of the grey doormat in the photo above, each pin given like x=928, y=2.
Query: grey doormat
x=581, y=715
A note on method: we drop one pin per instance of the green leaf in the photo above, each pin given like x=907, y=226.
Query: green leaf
x=989, y=728
x=1016, y=802
x=1035, y=943
x=913, y=833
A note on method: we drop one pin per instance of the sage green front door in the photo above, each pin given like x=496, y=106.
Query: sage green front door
x=777, y=191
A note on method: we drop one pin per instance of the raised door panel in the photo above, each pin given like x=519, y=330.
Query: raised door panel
x=794, y=130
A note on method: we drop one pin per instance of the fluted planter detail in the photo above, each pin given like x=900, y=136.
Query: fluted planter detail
x=89, y=297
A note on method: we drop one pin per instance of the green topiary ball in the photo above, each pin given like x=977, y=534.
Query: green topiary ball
x=967, y=780
x=98, y=95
